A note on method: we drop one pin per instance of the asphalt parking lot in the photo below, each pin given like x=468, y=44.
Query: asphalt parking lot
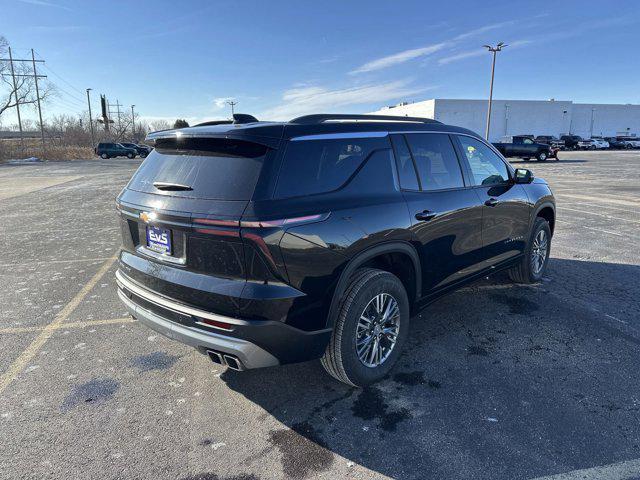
x=499, y=381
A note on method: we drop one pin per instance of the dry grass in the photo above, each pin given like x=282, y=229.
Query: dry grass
x=10, y=149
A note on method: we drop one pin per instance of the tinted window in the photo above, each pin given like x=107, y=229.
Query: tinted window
x=436, y=161
x=486, y=167
x=213, y=168
x=406, y=170
x=318, y=166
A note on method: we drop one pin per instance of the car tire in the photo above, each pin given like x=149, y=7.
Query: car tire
x=104, y=156
x=526, y=159
x=342, y=359
x=542, y=156
x=531, y=268
x=130, y=155
x=143, y=155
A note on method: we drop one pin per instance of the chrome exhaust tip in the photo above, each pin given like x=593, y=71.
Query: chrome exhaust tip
x=215, y=357
x=233, y=363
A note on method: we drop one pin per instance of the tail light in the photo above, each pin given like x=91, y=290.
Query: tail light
x=284, y=222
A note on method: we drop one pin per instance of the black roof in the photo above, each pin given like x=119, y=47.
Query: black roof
x=270, y=133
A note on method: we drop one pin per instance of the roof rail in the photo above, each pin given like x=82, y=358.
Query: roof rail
x=324, y=117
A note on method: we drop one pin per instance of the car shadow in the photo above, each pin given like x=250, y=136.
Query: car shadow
x=497, y=381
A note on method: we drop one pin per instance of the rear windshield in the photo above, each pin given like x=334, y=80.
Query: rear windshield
x=323, y=165
x=219, y=169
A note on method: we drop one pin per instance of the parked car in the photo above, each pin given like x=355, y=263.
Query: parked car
x=619, y=144
x=109, y=150
x=571, y=141
x=320, y=237
x=601, y=143
x=550, y=140
x=633, y=141
x=524, y=147
x=593, y=144
x=142, y=150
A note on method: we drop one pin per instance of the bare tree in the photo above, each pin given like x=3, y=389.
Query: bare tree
x=160, y=125
x=24, y=92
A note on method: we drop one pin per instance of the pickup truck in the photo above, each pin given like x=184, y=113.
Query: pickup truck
x=524, y=147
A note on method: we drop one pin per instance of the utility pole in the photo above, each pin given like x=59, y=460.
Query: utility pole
x=593, y=110
x=233, y=104
x=93, y=137
x=35, y=79
x=119, y=120
x=493, y=50
x=35, y=76
x=15, y=91
x=133, y=125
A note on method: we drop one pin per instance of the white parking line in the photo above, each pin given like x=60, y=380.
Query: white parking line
x=25, y=357
x=608, y=207
x=604, y=231
x=48, y=262
x=87, y=323
x=604, y=199
x=562, y=207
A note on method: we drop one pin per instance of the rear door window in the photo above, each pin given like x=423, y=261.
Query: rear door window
x=312, y=166
x=218, y=169
x=436, y=161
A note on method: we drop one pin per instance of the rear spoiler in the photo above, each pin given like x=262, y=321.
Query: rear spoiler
x=270, y=142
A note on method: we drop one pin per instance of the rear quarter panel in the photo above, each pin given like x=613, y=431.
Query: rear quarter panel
x=369, y=210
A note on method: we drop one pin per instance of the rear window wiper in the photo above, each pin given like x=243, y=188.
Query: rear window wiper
x=171, y=187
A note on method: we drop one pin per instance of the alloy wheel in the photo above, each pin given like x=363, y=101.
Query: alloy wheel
x=539, y=252
x=377, y=330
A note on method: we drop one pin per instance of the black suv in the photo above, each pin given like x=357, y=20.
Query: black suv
x=265, y=243
x=142, y=150
x=571, y=141
x=107, y=150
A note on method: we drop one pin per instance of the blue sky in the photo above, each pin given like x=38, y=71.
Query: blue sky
x=279, y=59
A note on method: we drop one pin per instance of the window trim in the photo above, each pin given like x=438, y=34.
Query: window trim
x=415, y=165
x=392, y=138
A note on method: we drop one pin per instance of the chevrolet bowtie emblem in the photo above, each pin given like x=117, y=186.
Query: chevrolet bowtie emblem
x=147, y=216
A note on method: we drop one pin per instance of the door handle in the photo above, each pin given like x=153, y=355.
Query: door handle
x=425, y=215
x=492, y=202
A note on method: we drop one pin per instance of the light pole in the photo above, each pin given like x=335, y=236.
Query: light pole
x=493, y=50
x=133, y=125
x=93, y=139
x=233, y=104
x=591, y=129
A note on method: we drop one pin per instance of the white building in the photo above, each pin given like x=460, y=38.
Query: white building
x=536, y=117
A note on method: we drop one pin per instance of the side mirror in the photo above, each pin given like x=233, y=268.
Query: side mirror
x=523, y=175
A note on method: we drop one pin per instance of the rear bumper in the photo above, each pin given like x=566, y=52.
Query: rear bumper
x=255, y=343
x=249, y=354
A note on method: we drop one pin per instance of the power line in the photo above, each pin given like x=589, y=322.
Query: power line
x=61, y=78
x=71, y=100
x=71, y=96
